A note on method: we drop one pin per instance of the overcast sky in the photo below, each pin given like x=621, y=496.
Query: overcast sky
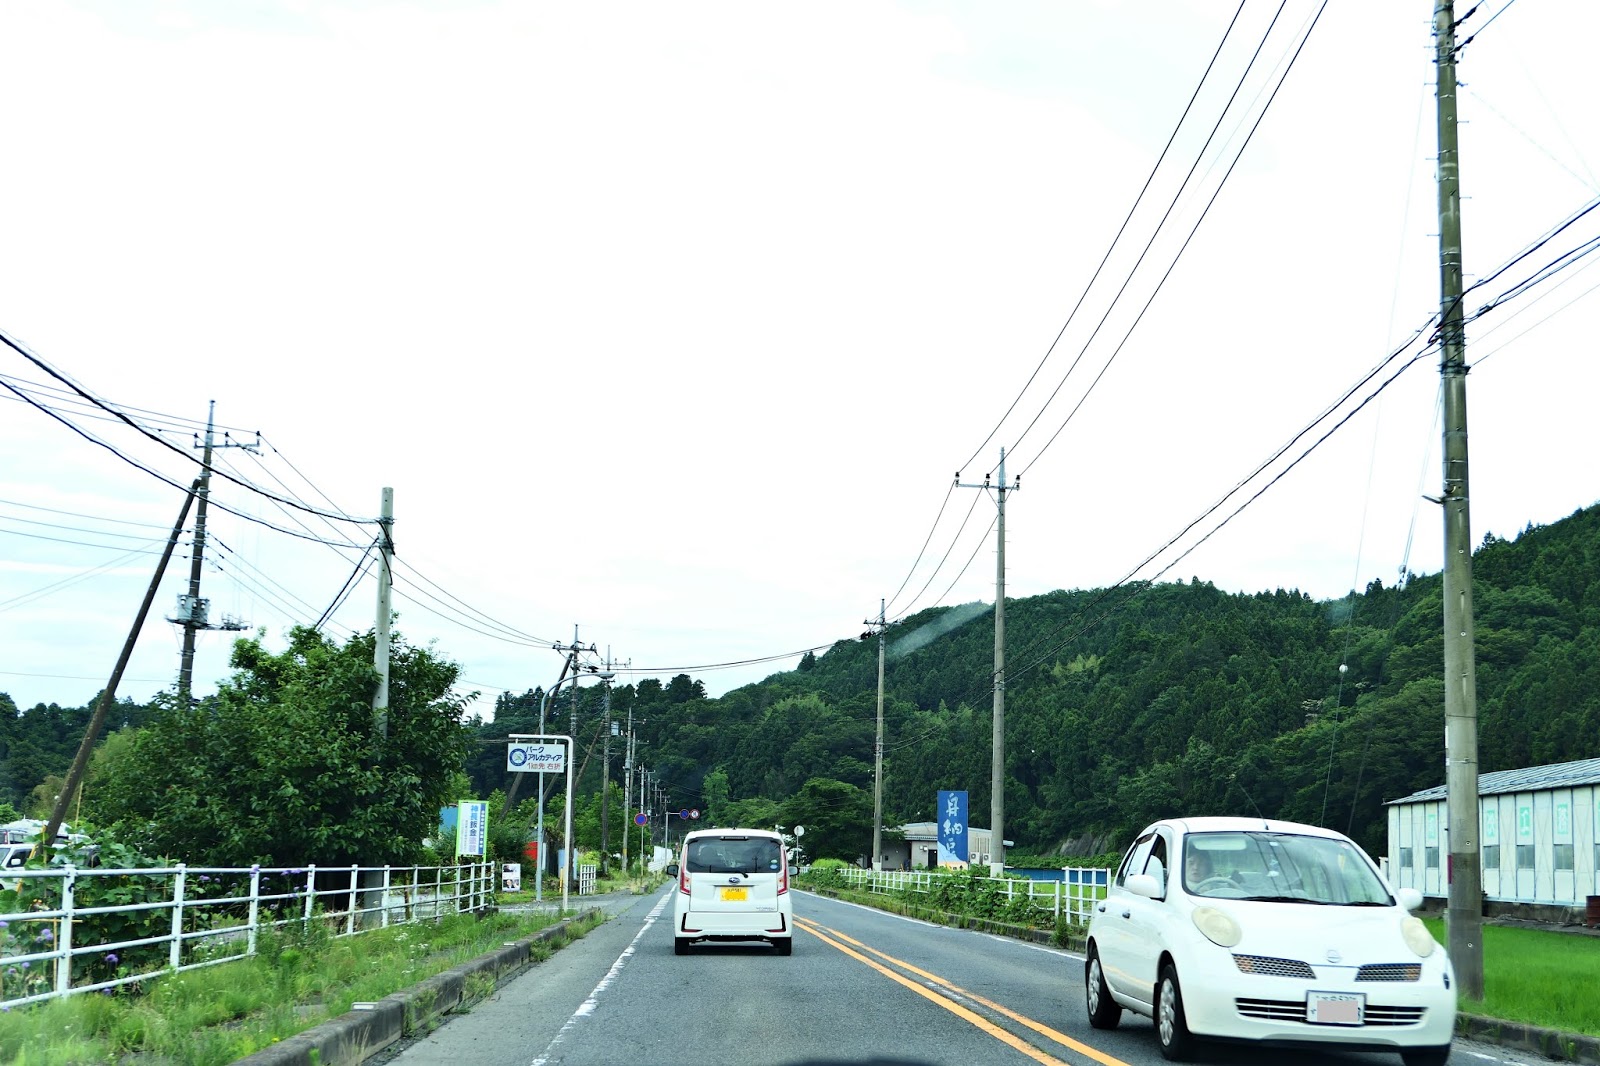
x=675, y=322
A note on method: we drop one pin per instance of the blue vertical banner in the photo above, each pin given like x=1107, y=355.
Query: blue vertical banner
x=472, y=828
x=952, y=828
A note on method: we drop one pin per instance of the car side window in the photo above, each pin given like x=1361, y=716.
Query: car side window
x=1157, y=864
x=1134, y=861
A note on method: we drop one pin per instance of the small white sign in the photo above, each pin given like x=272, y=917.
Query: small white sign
x=536, y=758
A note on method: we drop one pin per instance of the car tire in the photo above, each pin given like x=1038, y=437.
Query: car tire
x=1172, y=1028
x=1104, y=1012
x=1426, y=1056
x=785, y=946
x=680, y=945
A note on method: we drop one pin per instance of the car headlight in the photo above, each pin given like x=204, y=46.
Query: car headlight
x=1220, y=928
x=1418, y=939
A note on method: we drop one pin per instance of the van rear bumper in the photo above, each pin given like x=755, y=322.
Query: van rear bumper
x=733, y=925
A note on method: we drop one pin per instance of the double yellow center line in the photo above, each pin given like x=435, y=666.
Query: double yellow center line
x=945, y=994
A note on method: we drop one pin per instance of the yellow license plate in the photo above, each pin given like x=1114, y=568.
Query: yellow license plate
x=733, y=895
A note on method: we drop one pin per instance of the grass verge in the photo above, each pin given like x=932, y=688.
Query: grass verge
x=299, y=978
x=1536, y=977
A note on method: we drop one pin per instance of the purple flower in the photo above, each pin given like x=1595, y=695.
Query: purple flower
x=205, y=877
x=47, y=934
x=111, y=957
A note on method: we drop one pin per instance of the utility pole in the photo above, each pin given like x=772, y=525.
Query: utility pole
x=877, y=754
x=605, y=773
x=194, y=612
x=80, y=762
x=1464, y=925
x=380, y=651
x=997, y=762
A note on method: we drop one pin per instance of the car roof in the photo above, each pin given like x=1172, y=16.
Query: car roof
x=731, y=832
x=1221, y=824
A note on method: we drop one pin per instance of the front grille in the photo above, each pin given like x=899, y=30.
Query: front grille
x=1390, y=971
x=1271, y=967
x=1377, y=1014
x=1273, y=1010
x=1287, y=1010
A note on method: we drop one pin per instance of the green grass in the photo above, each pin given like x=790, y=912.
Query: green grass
x=216, y=1015
x=1536, y=977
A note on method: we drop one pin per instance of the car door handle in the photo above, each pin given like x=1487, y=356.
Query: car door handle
x=1127, y=914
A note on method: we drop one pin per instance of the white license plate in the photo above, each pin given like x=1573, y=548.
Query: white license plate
x=1335, y=1008
x=733, y=895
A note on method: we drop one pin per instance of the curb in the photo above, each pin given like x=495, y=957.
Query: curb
x=1551, y=1043
x=357, y=1035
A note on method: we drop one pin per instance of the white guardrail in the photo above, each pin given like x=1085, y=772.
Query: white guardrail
x=1072, y=897
x=65, y=930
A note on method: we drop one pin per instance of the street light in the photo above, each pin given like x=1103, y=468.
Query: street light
x=544, y=702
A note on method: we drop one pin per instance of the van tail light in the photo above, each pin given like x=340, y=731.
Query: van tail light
x=683, y=875
x=783, y=874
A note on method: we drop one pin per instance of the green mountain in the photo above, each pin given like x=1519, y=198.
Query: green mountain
x=1138, y=702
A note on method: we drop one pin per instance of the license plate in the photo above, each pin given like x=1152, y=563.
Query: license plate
x=733, y=895
x=1335, y=1008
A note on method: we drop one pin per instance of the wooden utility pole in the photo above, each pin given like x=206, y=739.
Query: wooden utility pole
x=877, y=754
x=1464, y=924
x=80, y=762
x=380, y=651
x=997, y=757
x=193, y=612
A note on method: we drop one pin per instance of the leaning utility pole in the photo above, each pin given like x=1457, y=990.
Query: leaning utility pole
x=1464, y=925
x=80, y=762
x=380, y=650
x=877, y=755
x=193, y=612
x=997, y=758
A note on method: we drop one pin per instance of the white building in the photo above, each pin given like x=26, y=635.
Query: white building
x=1539, y=836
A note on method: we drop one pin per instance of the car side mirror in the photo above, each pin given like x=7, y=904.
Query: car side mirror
x=1144, y=885
x=1409, y=898
x=672, y=869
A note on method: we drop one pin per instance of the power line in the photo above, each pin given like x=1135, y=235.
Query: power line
x=1137, y=200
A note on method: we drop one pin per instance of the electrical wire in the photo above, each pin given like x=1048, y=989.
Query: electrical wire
x=1110, y=248
x=48, y=369
x=1182, y=248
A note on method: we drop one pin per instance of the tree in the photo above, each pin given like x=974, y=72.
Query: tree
x=837, y=817
x=284, y=766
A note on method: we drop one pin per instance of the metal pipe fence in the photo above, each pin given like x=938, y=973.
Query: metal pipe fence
x=66, y=931
x=1071, y=898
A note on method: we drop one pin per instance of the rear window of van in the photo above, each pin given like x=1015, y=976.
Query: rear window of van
x=726, y=855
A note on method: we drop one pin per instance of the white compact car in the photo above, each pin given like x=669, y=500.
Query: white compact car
x=733, y=884
x=1267, y=932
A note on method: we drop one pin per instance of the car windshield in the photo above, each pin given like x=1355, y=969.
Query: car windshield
x=744, y=855
x=1280, y=867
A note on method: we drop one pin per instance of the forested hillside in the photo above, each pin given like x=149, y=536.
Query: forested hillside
x=1129, y=705
x=1122, y=706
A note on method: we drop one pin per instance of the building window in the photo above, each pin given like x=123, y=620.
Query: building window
x=1491, y=857
x=1405, y=857
x=1564, y=857
x=1524, y=856
x=1432, y=858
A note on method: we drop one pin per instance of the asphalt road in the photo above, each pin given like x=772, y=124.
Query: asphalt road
x=861, y=987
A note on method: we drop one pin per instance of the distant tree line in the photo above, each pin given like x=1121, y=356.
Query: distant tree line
x=1123, y=705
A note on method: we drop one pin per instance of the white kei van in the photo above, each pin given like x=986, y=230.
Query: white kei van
x=733, y=884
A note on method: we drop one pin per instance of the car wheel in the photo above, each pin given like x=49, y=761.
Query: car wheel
x=1104, y=1013
x=784, y=946
x=1171, y=1027
x=680, y=945
x=1426, y=1056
